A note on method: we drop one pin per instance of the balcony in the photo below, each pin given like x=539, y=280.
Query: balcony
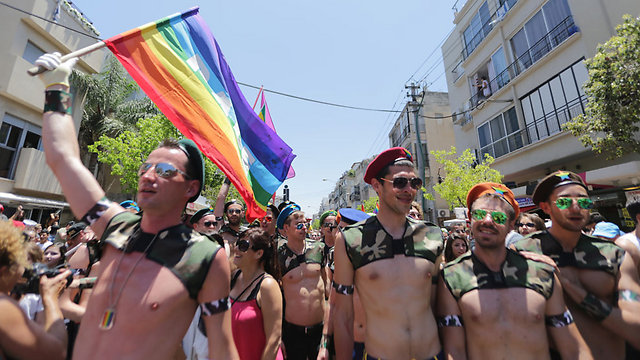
x=486, y=28
x=33, y=174
x=551, y=40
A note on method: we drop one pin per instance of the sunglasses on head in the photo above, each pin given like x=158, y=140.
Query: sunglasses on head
x=400, y=182
x=210, y=223
x=234, y=211
x=163, y=170
x=498, y=217
x=243, y=245
x=565, y=202
x=526, y=224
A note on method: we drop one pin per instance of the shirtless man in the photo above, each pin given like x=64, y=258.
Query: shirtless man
x=592, y=271
x=493, y=303
x=154, y=271
x=303, y=284
x=391, y=260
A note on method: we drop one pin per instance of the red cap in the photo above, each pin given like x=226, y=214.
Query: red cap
x=385, y=158
x=492, y=188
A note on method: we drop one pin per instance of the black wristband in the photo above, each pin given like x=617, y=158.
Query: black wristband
x=58, y=101
x=227, y=181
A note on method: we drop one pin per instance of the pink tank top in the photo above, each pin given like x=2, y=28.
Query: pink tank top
x=247, y=327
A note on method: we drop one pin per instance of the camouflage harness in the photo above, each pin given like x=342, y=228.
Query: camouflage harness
x=187, y=253
x=590, y=252
x=367, y=241
x=313, y=254
x=468, y=273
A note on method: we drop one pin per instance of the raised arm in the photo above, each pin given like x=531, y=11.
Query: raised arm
x=60, y=143
x=343, y=321
x=218, y=210
x=562, y=329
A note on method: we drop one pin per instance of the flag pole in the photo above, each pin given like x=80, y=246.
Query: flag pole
x=84, y=51
x=258, y=97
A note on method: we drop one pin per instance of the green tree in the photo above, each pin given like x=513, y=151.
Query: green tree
x=610, y=123
x=370, y=204
x=125, y=153
x=461, y=173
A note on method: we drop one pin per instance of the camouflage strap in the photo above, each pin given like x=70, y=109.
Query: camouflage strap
x=215, y=307
x=343, y=289
x=595, y=307
x=556, y=321
x=96, y=211
x=449, y=321
x=629, y=295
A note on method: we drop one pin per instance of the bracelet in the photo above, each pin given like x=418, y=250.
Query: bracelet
x=58, y=101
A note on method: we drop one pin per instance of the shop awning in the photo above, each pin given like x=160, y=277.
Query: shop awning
x=29, y=201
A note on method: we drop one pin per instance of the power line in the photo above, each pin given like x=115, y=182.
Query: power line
x=318, y=101
x=49, y=21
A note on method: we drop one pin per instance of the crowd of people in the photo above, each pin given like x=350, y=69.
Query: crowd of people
x=145, y=280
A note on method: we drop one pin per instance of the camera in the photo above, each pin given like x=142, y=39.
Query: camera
x=32, y=276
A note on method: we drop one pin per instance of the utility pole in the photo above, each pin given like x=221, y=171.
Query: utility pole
x=414, y=106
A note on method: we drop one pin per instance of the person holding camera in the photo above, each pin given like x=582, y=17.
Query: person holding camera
x=19, y=336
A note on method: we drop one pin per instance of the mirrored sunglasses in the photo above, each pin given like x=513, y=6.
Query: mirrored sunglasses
x=566, y=202
x=498, y=217
x=301, y=226
x=243, y=245
x=400, y=182
x=163, y=170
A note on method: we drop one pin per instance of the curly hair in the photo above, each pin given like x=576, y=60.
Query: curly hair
x=12, y=250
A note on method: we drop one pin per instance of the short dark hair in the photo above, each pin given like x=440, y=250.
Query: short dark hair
x=448, y=249
x=400, y=162
x=232, y=202
x=595, y=218
x=633, y=207
x=535, y=218
x=260, y=240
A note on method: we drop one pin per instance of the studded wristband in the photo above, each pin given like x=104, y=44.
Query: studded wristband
x=58, y=101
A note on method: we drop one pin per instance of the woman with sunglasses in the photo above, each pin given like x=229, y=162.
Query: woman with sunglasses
x=529, y=223
x=256, y=300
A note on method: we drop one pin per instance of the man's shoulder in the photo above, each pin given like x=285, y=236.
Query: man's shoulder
x=531, y=242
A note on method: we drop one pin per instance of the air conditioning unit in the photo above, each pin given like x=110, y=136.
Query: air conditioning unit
x=443, y=213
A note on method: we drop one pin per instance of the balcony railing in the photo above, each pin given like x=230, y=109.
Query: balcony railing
x=551, y=40
x=551, y=123
x=484, y=30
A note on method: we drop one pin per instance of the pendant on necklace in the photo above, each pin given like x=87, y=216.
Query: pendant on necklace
x=107, y=319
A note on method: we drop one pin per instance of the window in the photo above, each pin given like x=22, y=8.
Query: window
x=479, y=27
x=32, y=52
x=15, y=134
x=501, y=135
x=554, y=103
x=499, y=66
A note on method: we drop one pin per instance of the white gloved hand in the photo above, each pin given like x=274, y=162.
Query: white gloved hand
x=58, y=72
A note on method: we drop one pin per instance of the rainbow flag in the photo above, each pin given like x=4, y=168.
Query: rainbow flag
x=265, y=116
x=179, y=65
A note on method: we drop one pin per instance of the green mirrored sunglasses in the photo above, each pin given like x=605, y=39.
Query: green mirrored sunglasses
x=498, y=217
x=566, y=202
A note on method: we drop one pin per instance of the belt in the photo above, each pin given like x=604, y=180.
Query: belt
x=440, y=356
x=304, y=329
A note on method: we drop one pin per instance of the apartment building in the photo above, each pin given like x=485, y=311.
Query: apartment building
x=25, y=178
x=515, y=72
x=350, y=190
x=436, y=133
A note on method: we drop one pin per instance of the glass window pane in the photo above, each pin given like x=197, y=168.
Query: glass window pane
x=484, y=135
x=536, y=31
x=487, y=150
x=515, y=142
x=557, y=93
x=500, y=148
x=6, y=156
x=14, y=137
x=547, y=102
x=485, y=18
x=32, y=52
x=569, y=86
x=511, y=121
x=519, y=46
x=4, y=133
x=31, y=140
x=555, y=11
x=536, y=105
x=497, y=128
x=526, y=110
x=580, y=71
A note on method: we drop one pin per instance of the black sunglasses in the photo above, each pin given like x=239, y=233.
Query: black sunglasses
x=210, y=223
x=243, y=245
x=163, y=170
x=526, y=224
x=234, y=211
x=400, y=182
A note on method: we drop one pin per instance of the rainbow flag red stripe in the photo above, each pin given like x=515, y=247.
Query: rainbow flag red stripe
x=179, y=65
